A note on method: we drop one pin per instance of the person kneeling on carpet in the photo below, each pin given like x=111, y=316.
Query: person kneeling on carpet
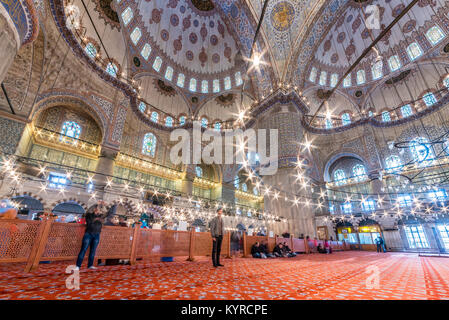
x=257, y=251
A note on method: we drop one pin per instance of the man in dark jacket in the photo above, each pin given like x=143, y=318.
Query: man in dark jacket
x=94, y=223
x=257, y=251
x=217, y=232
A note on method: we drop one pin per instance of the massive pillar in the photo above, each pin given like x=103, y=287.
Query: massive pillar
x=104, y=170
x=300, y=218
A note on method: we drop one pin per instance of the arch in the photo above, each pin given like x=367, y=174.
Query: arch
x=338, y=155
x=68, y=207
x=74, y=203
x=240, y=227
x=77, y=102
x=29, y=204
x=129, y=206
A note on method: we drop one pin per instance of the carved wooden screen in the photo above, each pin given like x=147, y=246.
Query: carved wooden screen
x=203, y=244
x=115, y=243
x=163, y=243
x=64, y=241
x=16, y=239
x=298, y=245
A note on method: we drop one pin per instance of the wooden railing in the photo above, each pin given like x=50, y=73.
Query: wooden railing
x=36, y=241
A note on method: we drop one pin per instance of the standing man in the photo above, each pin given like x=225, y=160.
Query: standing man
x=380, y=244
x=216, y=231
x=94, y=223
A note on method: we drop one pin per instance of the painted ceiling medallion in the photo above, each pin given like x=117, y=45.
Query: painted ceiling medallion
x=105, y=11
x=282, y=15
x=225, y=100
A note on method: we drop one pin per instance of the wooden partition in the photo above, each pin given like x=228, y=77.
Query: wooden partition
x=299, y=245
x=36, y=241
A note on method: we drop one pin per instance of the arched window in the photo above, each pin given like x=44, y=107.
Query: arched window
x=437, y=195
x=127, y=15
x=312, y=76
x=414, y=51
x=204, y=122
x=386, y=117
x=323, y=78
x=204, y=86
x=146, y=50
x=154, y=116
x=244, y=187
x=429, y=99
x=135, y=35
x=112, y=69
x=70, y=129
x=255, y=191
x=217, y=126
x=346, y=119
x=406, y=110
x=446, y=82
x=142, y=106
x=416, y=237
x=227, y=83
x=91, y=50
x=238, y=78
x=182, y=120
x=435, y=35
x=328, y=123
x=334, y=80
x=347, y=82
x=236, y=182
x=149, y=144
x=346, y=207
x=377, y=70
x=395, y=63
x=157, y=63
x=181, y=80
x=339, y=177
x=361, y=78
x=199, y=171
x=216, y=86
x=192, y=85
x=393, y=163
x=359, y=172
x=421, y=151
x=369, y=205
x=169, y=121
x=169, y=73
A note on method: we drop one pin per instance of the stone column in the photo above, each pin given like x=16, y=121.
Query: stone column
x=187, y=184
x=104, y=170
x=8, y=42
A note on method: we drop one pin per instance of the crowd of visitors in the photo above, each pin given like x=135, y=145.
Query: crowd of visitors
x=281, y=250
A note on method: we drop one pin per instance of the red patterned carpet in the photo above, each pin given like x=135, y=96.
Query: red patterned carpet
x=341, y=275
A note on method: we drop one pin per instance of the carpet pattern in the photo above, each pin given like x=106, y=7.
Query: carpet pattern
x=341, y=275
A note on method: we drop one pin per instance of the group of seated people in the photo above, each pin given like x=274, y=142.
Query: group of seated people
x=281, y=250
x=326, y=248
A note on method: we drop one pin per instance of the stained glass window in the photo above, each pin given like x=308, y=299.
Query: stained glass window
x=204, y=122
x=377, y=70
x=192, y=85
x=323, y=78
x=347, y=82
x=345, y=119
x=446, y=82
x=204, y=86
x=236, y=182
x=406, y=110
x=154, y=116
x=421, y=151
x=135, y=35
x=361, y=77
x=393, y=163
x=181, y=80
x=157, y=64
x=216, y=86
x=182, y=120
x=370, y=114
x=112, y=69
x=255, y=191
x=169, y=121
x=334, y=80
x=244, y=187
x=238, y=79
x=347, y=207
x=395, y=63
x=142, y=106
x=339, y=177
x=217, y=126
x=328, y=123
x=416, y=237
x=127, y=16
x=435, y=35
x=437, y=195
x=429, y=99
x=227, y=83
x=149, y=144
x=414, y=51
x=199, y=172
x=359, y=172
x=386, y=117
x=146, y=51
x=444, y=234
x=91, y=50
x=70, y=129
x=169, y=73
x=313, y=73
x=57, y=180
x=404, y=200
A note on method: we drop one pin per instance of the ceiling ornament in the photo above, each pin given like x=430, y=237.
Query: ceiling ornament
x=282, y=15
x=226, y=100
x=164, y=88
